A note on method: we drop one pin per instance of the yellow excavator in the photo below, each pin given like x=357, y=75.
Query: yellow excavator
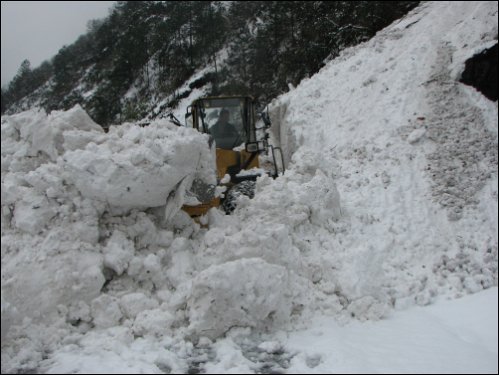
x=239, y=135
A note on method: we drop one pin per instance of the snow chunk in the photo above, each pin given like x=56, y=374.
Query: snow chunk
x=45, y=133
x=43, y=282
x=118, y=252
x=132, y=304
x=32, y=213
x=271, y=347
x=231, y=294
x=79, y=311
x=139, y=167
x=152, y=322
x=368, y=308
x=416, y=135
x=105, y=311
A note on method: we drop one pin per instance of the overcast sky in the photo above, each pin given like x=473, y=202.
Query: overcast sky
x=36, y=30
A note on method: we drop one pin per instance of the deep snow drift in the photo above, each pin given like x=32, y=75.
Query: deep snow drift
x=389, y=200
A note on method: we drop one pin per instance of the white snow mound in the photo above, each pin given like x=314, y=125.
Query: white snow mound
x=241, y=293
x=62, y=177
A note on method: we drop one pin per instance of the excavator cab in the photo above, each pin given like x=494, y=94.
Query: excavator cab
x=231, y=123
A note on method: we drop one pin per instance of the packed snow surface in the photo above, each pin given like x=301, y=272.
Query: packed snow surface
x=389, y=201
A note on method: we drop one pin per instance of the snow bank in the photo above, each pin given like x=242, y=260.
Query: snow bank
x=413, y=153
x=63, y=179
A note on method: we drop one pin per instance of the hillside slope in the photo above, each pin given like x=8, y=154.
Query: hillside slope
x=140, y=60
x=412, y=151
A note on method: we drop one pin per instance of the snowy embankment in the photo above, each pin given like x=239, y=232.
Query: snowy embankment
x=413, y=153
x=62, y=178
x=389, y=200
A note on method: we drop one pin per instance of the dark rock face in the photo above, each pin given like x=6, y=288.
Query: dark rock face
x=481, y=72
